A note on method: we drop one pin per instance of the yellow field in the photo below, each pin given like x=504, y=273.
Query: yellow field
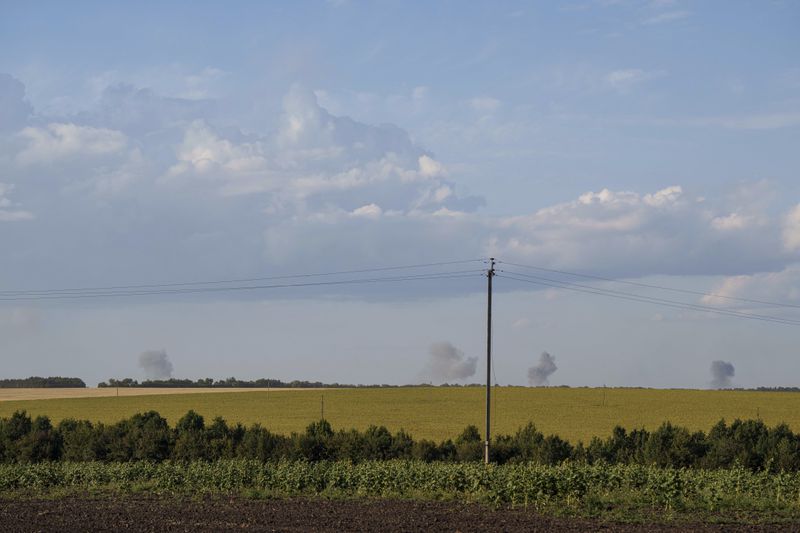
x=438, y=413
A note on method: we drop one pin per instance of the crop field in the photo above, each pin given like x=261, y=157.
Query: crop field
x=440, y=413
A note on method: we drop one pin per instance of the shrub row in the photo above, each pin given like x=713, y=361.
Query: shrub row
x=148, y=436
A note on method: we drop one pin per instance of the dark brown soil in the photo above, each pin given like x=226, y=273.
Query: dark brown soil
x=135, y=513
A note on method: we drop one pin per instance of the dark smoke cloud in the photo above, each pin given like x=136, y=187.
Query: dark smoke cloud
x=447, y=363
x=538, y=373
x=721, y=374
x=156, y=364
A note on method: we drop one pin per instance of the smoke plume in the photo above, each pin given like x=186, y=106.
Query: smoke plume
x=721, y=374
x=538, y=373
x=448, y=363
x=156, y=364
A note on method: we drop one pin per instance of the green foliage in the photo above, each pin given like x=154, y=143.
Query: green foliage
x=565, y=486
x=147, y=437
x=36, y=382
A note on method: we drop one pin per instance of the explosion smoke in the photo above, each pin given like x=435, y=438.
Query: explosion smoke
x=538, y=374
x=721, y=374
x=156, y=364
x=448, y=363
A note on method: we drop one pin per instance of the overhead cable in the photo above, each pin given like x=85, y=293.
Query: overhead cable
x=653, y=286
x=650, y=300
x=36, y=292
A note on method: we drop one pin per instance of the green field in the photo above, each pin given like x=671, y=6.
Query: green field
x=439, y=413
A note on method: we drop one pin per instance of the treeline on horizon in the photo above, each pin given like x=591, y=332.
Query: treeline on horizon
x=148, y=437
x=262, y=383
x=36, y=382
x=268, y=383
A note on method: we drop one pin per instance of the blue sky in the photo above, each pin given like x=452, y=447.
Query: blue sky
x=647, y=140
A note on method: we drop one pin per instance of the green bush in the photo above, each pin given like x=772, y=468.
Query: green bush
x=148, y=437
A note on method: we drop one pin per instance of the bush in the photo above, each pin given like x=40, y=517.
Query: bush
x=147, y=436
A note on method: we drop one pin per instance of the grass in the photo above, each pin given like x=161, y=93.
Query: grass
x=439, y=413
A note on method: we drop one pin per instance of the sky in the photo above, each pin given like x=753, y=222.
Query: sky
x=652, y=141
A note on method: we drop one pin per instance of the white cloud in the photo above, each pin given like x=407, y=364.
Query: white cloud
x=8, y=211
x=521, y=323
x=326, y=189
x=624, y=80
x=484, y=104
x=734, y=221
x=59, y=141
x=368, y=211
x=626, y=232
x=667, y=16
x=791, y=229
x=204, y=153
x=198, y=83
x=429, y=167
x=315, y=154
x=782, y=286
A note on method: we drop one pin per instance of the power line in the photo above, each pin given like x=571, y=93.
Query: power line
x=195, y=290
x=36, y=292
x=653, y=286
x=648, y=299
x=656, y=299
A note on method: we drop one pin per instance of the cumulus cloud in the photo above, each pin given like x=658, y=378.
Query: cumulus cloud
x=64, y=140
x=316, y=154
x=240, y=167
x=155, y=364
x=330, y=190
x=664, y=232
x=447, y=363
x=782, y=287
x=721, y=374
x=539, y=373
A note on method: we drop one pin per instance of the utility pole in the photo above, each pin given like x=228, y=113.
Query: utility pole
x=489, y=276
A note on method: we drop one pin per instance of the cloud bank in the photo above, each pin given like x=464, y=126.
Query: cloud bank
x=139, y=176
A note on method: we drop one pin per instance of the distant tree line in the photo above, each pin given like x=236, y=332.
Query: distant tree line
x=148, y=436
x=36, y=382
x=262, y=383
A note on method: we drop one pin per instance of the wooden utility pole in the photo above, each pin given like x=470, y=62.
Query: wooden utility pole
x=489, y=276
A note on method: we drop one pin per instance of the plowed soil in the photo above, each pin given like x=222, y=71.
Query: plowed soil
x=224, y=514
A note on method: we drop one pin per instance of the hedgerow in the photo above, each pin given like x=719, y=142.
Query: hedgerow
x=147, y=436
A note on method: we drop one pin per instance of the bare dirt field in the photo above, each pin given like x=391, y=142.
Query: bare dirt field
x=53, y=394
x=295, y=515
